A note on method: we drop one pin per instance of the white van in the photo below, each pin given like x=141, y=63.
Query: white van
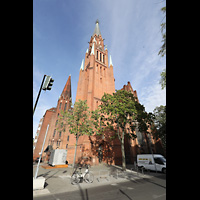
x=155, y=162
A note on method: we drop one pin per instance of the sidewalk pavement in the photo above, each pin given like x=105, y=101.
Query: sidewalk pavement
x=58, y=180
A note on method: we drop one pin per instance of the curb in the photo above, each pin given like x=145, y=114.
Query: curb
x=131, y=171
x=41, y=192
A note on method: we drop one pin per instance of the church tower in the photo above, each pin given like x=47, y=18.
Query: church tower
x=96, y=74
x=95, y=78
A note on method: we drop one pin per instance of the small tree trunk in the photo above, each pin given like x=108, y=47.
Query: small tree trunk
x=75, y=152
x=123, y=153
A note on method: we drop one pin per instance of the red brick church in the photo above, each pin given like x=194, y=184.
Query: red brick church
x=95, y=78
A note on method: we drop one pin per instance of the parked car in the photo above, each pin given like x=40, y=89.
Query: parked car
x=155, y=162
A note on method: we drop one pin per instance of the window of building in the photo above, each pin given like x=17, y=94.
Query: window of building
x=66, y=146
x=101, y=71
x=54, y=133
x=65, y=106
x=60, y=106
x=100, y=56
x=56, y=122
x=58, y=143
x=68, y=138
x=97, y=69
x=60, y=133
x=97, y=55
x=103, y=59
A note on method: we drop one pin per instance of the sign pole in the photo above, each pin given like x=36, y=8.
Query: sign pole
x=36, y=172
x=38, y=94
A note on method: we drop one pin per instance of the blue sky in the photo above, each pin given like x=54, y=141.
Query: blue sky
x=131, y=28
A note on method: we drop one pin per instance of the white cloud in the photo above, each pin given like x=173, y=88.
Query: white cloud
x=135, y=42
x=152, y=96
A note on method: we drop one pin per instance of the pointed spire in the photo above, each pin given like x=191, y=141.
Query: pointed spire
x=97, y=30
x=92, y=52
x=111, y=61
x=82, y=65
x=67, y=89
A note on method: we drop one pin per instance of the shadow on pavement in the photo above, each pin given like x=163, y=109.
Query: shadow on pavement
x=125, y=194
x=82, y=193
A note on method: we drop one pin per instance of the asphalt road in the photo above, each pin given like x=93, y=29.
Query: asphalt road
x=148, y=189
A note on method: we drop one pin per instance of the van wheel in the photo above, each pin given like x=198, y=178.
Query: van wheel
x=164, y=170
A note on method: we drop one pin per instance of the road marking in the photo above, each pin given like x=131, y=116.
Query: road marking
x=114, y=184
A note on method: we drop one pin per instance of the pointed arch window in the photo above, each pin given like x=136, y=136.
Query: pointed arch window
x=60, y=133
x=54, y=132
x=97, y=69
x=65, y=106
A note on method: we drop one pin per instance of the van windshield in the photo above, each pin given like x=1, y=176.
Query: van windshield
x=163, y=159
x=160, y=160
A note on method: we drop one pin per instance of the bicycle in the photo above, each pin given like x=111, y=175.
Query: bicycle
x=78, y=176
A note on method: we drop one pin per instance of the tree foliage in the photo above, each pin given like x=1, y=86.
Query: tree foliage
x=78, y=121
x=121, y=111
x=159, y=128
x=162, y=51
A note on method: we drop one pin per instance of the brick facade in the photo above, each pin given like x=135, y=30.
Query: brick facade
x=95, y=78
x=49, y=114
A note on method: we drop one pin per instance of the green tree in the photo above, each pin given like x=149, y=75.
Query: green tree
x=121, y=110
x=78, y=121
x=159, y=121
x=162, y=51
